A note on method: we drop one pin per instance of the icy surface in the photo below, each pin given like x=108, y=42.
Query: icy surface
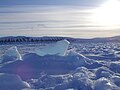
x=74, y=66
x=59, y=48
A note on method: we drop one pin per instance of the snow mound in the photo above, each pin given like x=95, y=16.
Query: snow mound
x=103, y=72
x=59, y=48
x=116, y=80
x=11, y=54
x=105, y=84
x=12, y=82
x=46, y=81
x=115, y=67
x=82, y=72
x=82, y=84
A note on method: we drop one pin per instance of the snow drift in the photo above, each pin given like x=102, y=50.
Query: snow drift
x=12, y=82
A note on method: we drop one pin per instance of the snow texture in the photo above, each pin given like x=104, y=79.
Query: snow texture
x=61, y=66
x=12, y=82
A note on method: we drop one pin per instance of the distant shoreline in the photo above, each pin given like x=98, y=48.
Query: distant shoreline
x=48, y=39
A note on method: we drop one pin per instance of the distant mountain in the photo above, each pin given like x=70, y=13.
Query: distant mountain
x=46, y=39
x=115, y=38
x=109, y=39
x=24, y=39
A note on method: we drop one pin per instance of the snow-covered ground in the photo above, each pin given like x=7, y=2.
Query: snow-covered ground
x=79, y=66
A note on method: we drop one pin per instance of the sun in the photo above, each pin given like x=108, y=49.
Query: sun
x=108, y=14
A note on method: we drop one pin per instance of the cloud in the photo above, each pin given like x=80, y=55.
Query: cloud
x=51, y=2
x=51, y=20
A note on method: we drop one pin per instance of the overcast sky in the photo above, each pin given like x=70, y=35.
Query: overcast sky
x=69, y=18
x=51, y=2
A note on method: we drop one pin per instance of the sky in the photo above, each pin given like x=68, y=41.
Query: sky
x=70, y=18
x=50, y=2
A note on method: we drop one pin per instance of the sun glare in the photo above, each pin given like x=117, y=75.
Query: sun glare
x=108, y=14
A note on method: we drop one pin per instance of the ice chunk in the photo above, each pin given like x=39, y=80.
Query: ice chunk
x=11, y=54
x=82, y=59
x=59, y=48
x=74, y=53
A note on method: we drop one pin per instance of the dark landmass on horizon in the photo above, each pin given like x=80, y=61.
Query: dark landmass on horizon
x=25, y=39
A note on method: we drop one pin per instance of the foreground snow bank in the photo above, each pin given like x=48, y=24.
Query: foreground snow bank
x=81, y=79
x=12, y=82
x=60, y=69
x=105, y=84
x=33, y=64
x=73, y=71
